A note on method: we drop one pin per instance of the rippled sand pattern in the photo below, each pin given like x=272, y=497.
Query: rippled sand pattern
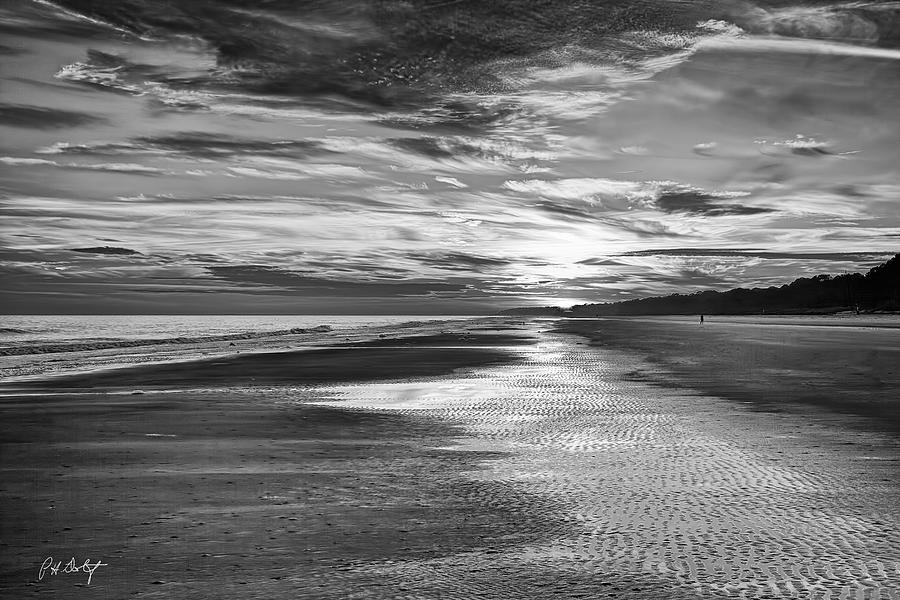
x=658, y=493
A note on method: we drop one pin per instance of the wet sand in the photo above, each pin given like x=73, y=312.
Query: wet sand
x=848, y=365
x=297, y=367
x=538, y=466
x=79, y=358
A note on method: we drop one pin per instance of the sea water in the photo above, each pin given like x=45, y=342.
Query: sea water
x=17, y=331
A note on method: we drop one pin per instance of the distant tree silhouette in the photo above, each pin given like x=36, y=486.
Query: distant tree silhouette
x=877, y=290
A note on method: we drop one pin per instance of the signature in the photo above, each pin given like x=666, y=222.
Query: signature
x=54, y=568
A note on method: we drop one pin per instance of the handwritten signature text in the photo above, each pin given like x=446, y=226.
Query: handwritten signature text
x=55, y=568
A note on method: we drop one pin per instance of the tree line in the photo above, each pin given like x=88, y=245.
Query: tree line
x=877, y=290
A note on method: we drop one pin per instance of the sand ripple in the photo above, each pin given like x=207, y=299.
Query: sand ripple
x=658, y=492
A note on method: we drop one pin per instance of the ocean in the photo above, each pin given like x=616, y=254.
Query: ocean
x=19, y=332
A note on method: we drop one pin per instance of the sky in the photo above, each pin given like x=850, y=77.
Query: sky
x=438, y=158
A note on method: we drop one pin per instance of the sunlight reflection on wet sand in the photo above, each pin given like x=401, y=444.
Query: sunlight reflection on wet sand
x=690, y=491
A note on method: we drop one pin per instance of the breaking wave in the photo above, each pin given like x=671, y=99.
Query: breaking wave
x=104, y=344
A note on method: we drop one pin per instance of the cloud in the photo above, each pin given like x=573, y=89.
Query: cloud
x=312, y=285
x=601, y=262
x=567, y=211
x=750, y=253
x=689, y=277
x=453, y=181
x=702, y=203
x=601, y=193
x=193, y=144
x=34, y=117
x=17, y=161
x=307, y=195
x=43, y=19
x=795, y=45
x=461, y=261
x=644, y=227
x=857, y=23
x=10, y=51
x=115, y=250
x=585, y=197
x=131, y=168
x=433, y=147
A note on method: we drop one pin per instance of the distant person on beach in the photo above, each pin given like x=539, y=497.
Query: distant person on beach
x=701, y=319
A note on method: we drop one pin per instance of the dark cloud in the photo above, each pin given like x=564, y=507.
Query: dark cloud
x=588, y=283
x=312, y=285
x=456, y=118
x=438, y=147
x=702, y=203
x=33, y=117
x=208, y=145
x=562, y=209
x=392, y=53
x=197, y=145
x=813, y=150
x=477, y=261
x=645, y=228
x=106, y=250
x=141, y=303
x=601, y=262
x=429, y=146
x=750, y=253
x=698, y=278
x=356, y=266
x=460, y=261
x=682, y=278
x=851, y=190
x=9, y=51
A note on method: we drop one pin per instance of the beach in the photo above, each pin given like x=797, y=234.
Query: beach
x=491, y=458
x=848, y=365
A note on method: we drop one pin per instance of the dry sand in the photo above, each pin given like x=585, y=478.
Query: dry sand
x=500, y=469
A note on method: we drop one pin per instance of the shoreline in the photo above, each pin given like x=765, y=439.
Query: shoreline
x=34, y=366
